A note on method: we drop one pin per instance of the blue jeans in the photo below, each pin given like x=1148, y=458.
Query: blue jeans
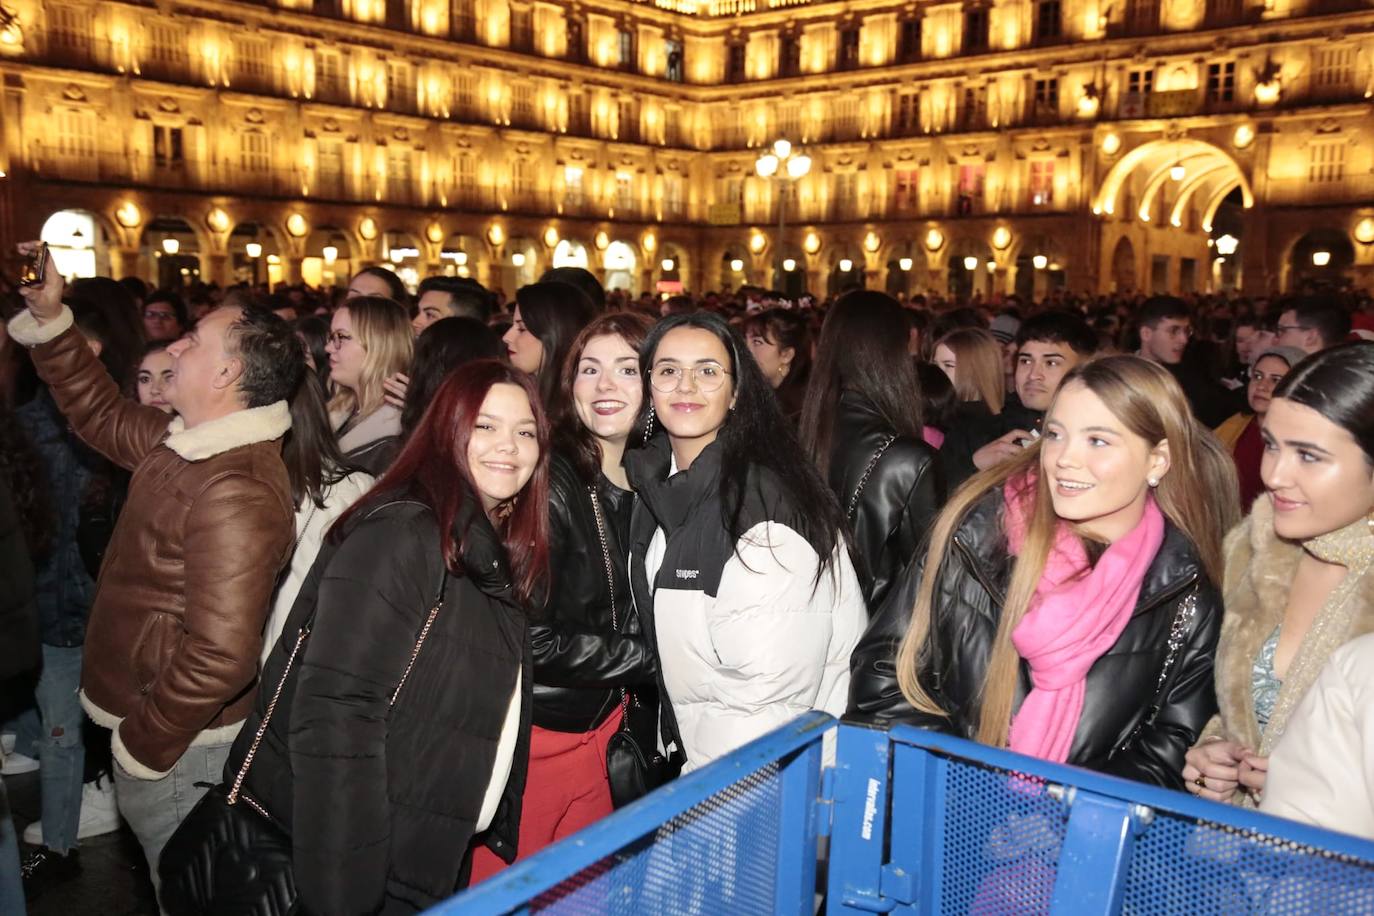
x=155, y=808
x=11, y=881
x=53, y=735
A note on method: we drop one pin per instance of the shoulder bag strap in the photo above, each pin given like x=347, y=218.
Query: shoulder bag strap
x=868, y=472
x=610, y=583
x=286, y=672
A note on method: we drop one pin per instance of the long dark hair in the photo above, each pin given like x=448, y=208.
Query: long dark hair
x=755, y=435
x=553, y=312
x=571, y=434
x=863, y=348
x=785, y=329
x=444, y=346
x=314, y=332
x=434, y=464
x=1338, y=384
x=310, y=449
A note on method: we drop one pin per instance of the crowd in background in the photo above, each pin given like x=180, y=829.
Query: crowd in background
x=435, y=580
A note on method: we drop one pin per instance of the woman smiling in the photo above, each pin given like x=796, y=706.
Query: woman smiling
x=740, y=571
x=1065, y=607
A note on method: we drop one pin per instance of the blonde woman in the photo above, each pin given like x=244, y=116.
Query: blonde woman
x=1066, y=607
x=370, y=339
x=972, y=358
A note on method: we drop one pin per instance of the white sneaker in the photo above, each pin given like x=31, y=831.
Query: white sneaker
x=18, y=764
x=99, y=814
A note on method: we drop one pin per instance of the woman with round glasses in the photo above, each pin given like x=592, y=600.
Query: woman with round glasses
x=370, y=340
x=739, y=570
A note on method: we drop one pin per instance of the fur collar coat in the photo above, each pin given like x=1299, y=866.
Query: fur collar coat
x=1260, y=567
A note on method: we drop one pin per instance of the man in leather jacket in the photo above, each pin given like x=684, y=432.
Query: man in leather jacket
x=174, y=634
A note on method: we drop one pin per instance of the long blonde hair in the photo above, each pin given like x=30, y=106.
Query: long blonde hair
x=382, y=328
x=1198, y=495
x=978, y=371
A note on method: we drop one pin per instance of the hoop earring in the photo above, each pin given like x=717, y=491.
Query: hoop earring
x=649, y=424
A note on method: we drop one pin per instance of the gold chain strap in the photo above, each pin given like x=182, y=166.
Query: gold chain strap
x=281, y=684
x=610, y=578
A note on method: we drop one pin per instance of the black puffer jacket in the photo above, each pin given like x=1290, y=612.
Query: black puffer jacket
x=899, y=499
x=1137, y=721
x=581, y=658
x=978, y=428
x=381, y=804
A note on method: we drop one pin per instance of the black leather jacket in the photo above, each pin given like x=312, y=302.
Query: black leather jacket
x=1138, y=719
x=580, y=660
x=899, y=500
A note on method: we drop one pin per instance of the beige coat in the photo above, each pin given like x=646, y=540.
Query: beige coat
x=1322, y=772
x=1260, y=567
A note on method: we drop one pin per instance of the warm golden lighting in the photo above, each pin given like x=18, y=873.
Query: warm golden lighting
x=253, y=250
x=551, y=237
x=757, y=242
x=518, y=259
x=846, y=265
x=1227, y=244
x=667, y=264
x=737, y=265
x=128, y=215
x=1001, y=238
x=812, y=243
x=1267, y=93
x=217, y=220
x=368, y=228
x=650, y=242
x=602, y=241
x=331, y=254
x=934, y=240
x=905, y=264
x=496, y=235
x=1177, y=171
x=171, y=246
x=1040, y=262
x=1111, y=144
x=872, y=243
x=789, y=265
x=296, y=225
x=970, y=263
x=1321, y=258
x=1364, y=231
x=434, y=232
x=1243, y=137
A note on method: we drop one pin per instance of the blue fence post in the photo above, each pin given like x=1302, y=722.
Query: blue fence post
x=919, y=808
x=1095, y=856
x=859, y=825
x=796, y=875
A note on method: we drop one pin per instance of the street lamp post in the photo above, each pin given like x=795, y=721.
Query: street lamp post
x=782, y=165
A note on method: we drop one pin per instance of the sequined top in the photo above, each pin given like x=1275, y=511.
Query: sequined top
x=1263, y=683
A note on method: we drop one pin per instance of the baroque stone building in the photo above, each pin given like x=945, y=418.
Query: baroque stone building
x=967, y=146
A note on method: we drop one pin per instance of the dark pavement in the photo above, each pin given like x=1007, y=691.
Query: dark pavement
x=113, y=880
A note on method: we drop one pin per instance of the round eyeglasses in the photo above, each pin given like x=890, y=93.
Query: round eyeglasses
x=706, y=377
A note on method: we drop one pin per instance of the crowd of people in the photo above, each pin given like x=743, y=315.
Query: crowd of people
x=419, y=585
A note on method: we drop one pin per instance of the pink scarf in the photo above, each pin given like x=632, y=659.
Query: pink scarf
x=1076, y=615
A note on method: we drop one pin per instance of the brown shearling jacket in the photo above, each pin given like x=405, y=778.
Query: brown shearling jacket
x=175, y=631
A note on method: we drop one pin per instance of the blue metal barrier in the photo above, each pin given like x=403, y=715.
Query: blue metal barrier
x=926, y=823
x=980, y=830
x=736, y=836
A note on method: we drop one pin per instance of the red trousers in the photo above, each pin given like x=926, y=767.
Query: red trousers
x=565, y=791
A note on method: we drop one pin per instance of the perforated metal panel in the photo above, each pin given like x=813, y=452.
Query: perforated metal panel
x=1184, y=866
x=721, y=856
x=1002, y=835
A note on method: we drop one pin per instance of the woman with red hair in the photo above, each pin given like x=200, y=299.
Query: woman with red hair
x=402, y=727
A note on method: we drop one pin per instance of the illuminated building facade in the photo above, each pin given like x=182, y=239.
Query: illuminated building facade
x=970, y=146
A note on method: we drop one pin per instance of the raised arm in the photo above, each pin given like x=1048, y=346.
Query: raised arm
x=115, y=426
